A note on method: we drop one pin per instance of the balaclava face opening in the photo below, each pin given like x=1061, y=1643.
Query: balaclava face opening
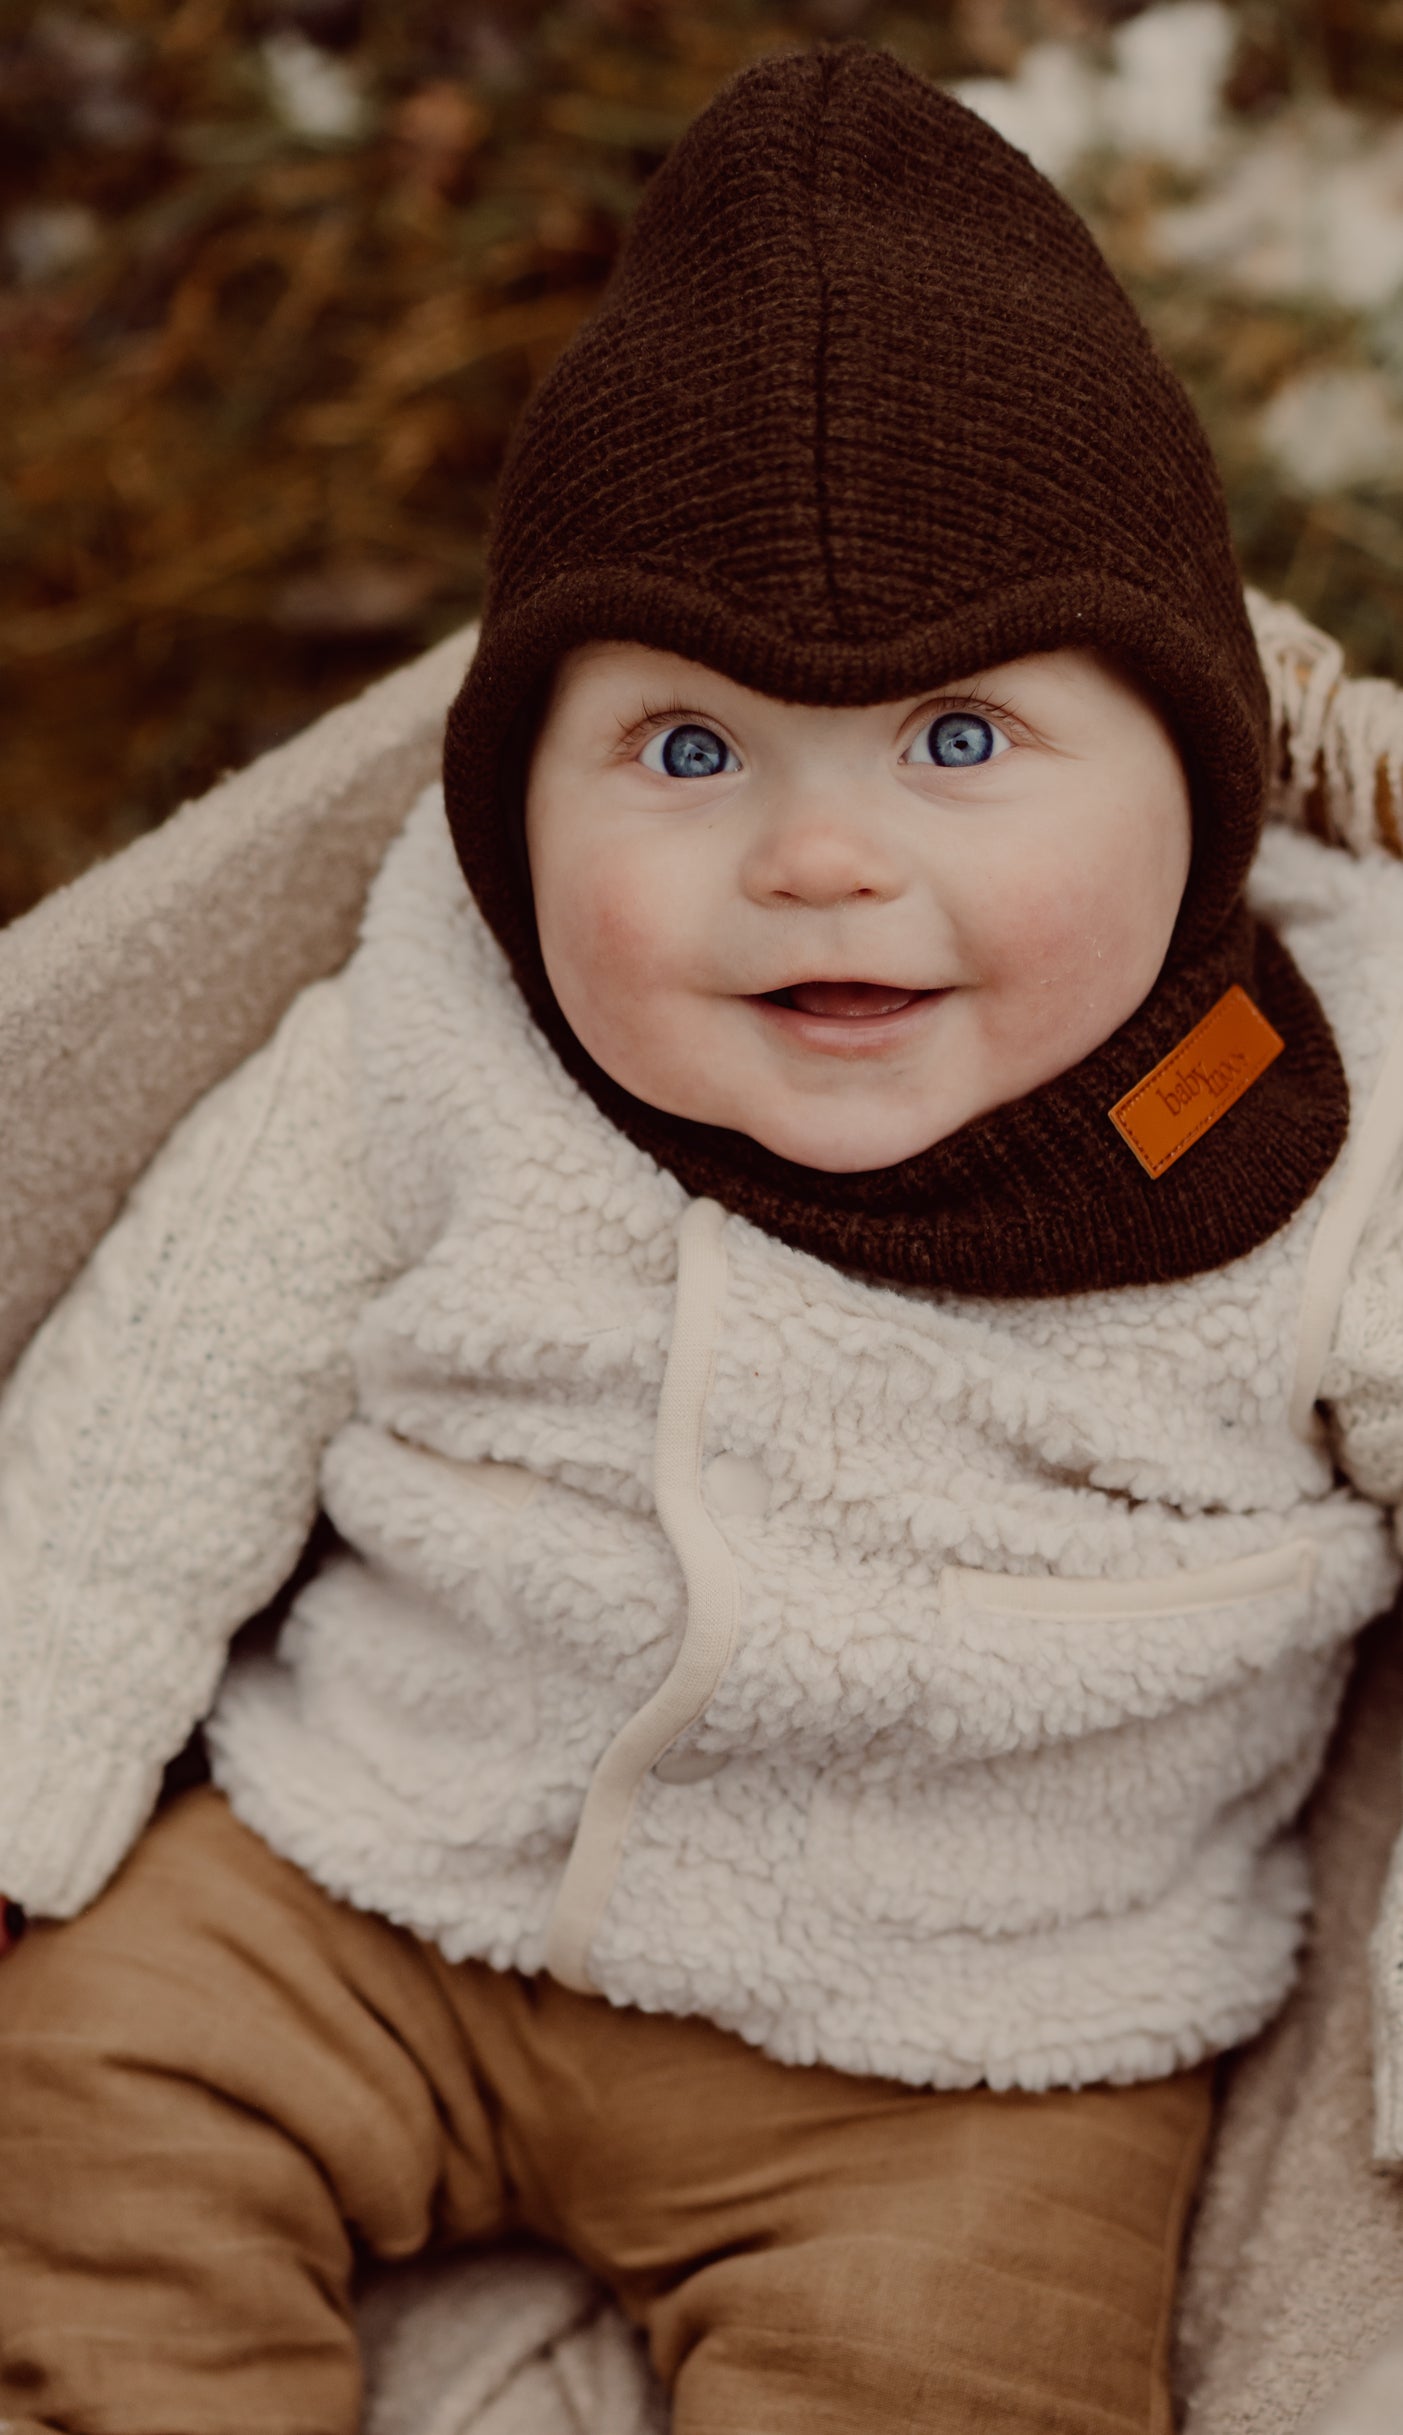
x=864, y=410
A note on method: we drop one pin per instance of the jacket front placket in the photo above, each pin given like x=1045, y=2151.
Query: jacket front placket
x=713, y=1603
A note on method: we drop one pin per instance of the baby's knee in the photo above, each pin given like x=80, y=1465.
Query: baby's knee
x=872, y=2332
x=830, y=2332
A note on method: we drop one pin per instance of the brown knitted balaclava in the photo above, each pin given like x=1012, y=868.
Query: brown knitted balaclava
x=864, y=411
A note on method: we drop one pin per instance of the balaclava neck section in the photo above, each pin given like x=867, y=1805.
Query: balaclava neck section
x=864, y=411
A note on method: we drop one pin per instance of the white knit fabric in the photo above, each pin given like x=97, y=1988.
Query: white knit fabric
x=159, y=1444
x=1040, y=1610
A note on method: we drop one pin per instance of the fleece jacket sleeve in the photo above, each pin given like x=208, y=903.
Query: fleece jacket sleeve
x=1362, y=1387
x=160, y=1444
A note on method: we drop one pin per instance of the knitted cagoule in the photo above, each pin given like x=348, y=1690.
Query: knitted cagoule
x=863, y=411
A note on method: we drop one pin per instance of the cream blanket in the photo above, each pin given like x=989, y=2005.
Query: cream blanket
x=125, y=996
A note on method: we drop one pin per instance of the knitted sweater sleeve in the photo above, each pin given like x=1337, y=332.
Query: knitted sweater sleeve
x=160, y=1443
x=1362, y=1386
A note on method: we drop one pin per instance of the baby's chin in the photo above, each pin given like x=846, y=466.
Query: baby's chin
x=847, y=1131
x=847, y=1143
x=852, y=1139
x=845, y=1158
x=830, y=1140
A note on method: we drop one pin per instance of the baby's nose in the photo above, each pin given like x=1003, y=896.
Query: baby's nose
x=820, y=856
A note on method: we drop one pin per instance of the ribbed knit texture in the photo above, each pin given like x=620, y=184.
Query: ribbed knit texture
x=863, y=411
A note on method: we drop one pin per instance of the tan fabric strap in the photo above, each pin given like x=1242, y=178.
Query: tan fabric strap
x=713, y=1597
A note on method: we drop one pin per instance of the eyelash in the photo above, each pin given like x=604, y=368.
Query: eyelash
x=668, y=714
x=980, y=706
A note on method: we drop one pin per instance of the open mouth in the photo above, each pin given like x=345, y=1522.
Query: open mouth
x=845, y=999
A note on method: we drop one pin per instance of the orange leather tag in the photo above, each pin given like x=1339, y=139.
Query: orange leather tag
x=1197, y=1082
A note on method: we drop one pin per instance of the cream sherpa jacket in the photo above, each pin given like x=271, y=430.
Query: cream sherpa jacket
x=921, y=1685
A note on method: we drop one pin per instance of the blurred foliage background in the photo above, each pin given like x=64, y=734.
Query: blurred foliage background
x=276, y=275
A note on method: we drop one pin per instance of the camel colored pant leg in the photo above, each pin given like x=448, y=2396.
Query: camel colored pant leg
x=218, y=2074
x=814, y=2254
x=208, y=2082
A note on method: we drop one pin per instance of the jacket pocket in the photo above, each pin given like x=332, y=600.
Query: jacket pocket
x=1289, y=1567
x=509, y=1483
x=1020, y=1662
x=1077, y=1744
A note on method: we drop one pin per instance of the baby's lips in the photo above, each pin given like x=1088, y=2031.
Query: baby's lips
x=848, y=997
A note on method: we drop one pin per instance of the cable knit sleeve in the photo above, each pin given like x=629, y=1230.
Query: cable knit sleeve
x=160, y=1442
x=1363, y=1387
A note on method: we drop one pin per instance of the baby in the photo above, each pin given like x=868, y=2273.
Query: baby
x=1009, y=852
x=824, y=1260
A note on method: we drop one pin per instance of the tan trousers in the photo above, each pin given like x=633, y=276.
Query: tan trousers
x=219, y=2086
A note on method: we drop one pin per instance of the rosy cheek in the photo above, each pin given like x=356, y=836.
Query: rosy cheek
x=1067, y=946
x=618, y=921
x=608, y=956
x=622, y=931
x=1034, y=936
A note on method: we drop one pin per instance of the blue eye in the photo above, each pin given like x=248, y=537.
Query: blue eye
x=958, y=739
x=688, y=752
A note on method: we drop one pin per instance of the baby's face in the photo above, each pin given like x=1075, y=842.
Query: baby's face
x=845, y=932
